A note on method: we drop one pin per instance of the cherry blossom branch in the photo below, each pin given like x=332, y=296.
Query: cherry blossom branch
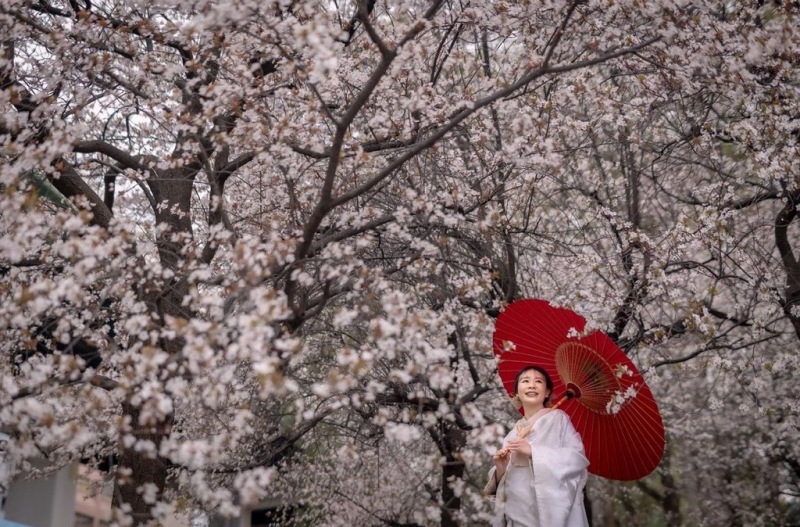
x=436, y=72
x=791, y=304
x=285, y=443
x=387, y=521
x=782, y=222
x=77, y=36
x=368, y=147
x=353, y=231
x=325, y=202
x=363, y=13
x=477, y=105
x=605, y=57
x=753, y=200
x=100, y=381
x=97, y=146
x=555, y=38
x=226, y=171
x=351, y=26
x=72, y=185
x=705, y=349
x=216, y=209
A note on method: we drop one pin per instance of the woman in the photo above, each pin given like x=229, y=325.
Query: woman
x=540, y=472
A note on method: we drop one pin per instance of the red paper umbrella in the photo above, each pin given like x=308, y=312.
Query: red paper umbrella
x=594, y=382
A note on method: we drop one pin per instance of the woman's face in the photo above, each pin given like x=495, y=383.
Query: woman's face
x=532, y=388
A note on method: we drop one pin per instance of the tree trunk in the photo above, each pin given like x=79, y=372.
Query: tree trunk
x=141, y=477
x=791, y=304
x=454, y=439
x=671, y=503
x=138, y=473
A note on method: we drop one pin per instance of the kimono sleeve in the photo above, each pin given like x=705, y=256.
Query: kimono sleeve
x=491, y=486
x=559, y=467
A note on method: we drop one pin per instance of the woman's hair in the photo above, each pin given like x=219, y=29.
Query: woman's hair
x=547, y=380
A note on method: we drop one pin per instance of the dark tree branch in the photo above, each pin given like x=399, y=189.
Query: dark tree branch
x=109, y=187
x=719, y=346
x=791, y=304
x=72, y=185
x=120, y=156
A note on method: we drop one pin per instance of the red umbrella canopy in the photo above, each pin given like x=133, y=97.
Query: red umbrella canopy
x=605, y=396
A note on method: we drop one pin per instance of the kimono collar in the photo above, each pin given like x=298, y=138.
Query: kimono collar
x=524, y=426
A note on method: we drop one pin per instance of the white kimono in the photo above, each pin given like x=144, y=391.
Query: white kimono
x=545, y=490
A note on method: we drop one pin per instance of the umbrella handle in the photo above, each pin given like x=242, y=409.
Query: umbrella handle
x=572, y=392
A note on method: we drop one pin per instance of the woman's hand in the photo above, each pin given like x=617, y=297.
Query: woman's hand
x=519, y=445
x=501, y=459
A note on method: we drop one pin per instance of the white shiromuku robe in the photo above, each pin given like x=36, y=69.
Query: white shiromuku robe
x=545, y=490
